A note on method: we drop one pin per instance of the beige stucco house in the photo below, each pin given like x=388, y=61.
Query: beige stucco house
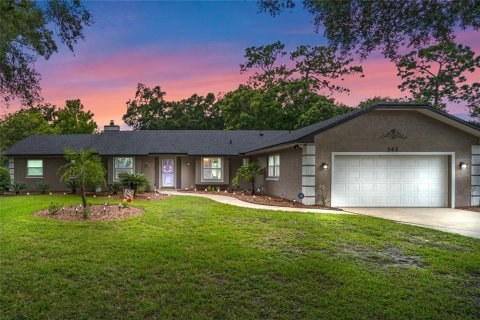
x=386, y=155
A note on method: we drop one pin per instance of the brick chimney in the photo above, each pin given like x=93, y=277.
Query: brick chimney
x=111, y=127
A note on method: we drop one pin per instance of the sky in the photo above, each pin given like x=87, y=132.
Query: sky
x=186, y=48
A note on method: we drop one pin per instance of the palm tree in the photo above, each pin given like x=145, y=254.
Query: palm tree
x=84, y=166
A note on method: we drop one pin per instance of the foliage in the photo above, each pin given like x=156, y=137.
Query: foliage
x=73, y=185
x=283, y=106
x=438, y=74
x=16, y=126
x=377, y=99
x=134, y=181
x=73, y=119
x=54, y=207
x=358, y=26
x=43, y=186
x=32, y=29
x=115, y=187
x=86, y=167
x=248, y=172
x=4, y=180
x=149, y=110
x=322, y=189
x=316, y=66
x=86, y=213
x=17, y=186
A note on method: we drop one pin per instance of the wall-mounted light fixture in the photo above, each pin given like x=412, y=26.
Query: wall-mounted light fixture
x=147, y=164
x=463, y=165
x=188, y=164
x=324, y=166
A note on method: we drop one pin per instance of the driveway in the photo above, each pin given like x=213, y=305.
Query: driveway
x=462, y=222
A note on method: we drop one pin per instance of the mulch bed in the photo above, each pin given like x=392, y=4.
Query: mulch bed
x=262, y=199
x=97, y=213
x=475, y=209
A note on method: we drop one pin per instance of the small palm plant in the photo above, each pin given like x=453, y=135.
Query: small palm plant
x=115, y=187
x=18, y=186
x=248, y=172
x=73, y=185
x=84, y=166
x=134, y=181
x=43, y=186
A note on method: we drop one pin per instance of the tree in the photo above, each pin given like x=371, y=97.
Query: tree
x=283, y=106
x=73, y=119
x=316, y=66
x=29, y=30
x=248, y=172
x=86, y=167
x=4, y=180
x=149, y=110
x=377, y=99
x=16, y=126
x=438, y=74
x=359, y=26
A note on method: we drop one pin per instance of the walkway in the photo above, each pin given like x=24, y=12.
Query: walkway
x=239, y=203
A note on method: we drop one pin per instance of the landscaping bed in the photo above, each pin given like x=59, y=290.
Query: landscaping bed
x=261, y=199
x=474, y=209
x=98, y=212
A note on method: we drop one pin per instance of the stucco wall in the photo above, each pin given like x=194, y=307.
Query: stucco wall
x=50, y=173
x=290, y=182
x=423, y=134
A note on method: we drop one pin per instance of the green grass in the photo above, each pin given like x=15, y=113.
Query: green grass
x=191, y=258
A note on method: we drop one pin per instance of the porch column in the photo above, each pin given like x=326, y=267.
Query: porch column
x=308, y=174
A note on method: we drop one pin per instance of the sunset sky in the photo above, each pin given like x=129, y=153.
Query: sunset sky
x=186, y=48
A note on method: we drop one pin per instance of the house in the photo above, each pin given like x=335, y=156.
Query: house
x=386, y=155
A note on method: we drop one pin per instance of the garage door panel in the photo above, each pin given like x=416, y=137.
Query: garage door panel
x=393, y=181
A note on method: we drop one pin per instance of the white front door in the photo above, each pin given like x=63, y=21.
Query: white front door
x=167, y=174
x=390, y=181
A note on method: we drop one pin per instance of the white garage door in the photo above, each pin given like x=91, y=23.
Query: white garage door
x=390, y=181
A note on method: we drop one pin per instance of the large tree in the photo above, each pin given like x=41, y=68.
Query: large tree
x=73, y=119
x=320, y=67
x=32, y=29
x=21, y=124
x=282, y=106
x=438, y=74
x=149, y=110
x=359, y=26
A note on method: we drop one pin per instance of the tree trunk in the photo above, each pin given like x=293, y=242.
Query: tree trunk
x=84, y=196
x=253, y=187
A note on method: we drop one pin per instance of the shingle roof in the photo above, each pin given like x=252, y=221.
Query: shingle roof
x=191, y=142
x=144, y=142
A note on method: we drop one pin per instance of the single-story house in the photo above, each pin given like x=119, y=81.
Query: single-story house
x=385, y=155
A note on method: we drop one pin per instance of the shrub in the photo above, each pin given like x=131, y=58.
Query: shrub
x=86, y=213
x=115, y=187
x=4, y=180
x=248, y=172
x=323, y=195
x=143, y=188
x=43, y=186
x=133, y=180
x=73, y=185
x=53, y=208
x=17, y=186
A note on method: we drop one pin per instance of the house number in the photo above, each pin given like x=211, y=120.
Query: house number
x=392, y=149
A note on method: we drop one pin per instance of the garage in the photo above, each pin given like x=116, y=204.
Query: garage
x=414, y=180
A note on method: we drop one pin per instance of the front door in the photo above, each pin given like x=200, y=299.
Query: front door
x=167, y=179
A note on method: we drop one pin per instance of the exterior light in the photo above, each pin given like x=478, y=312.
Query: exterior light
x=463, y=165
x=324, y=166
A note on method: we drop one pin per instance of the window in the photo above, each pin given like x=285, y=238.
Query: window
x=212, y=169
x=34, y=168
x=122, y=165
x=274, y=166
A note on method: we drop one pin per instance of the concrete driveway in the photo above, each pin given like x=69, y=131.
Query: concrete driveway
x=463, y=222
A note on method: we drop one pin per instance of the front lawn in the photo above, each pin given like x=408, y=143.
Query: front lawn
x=190, y=258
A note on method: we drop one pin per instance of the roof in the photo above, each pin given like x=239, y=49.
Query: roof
x=204, y=142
